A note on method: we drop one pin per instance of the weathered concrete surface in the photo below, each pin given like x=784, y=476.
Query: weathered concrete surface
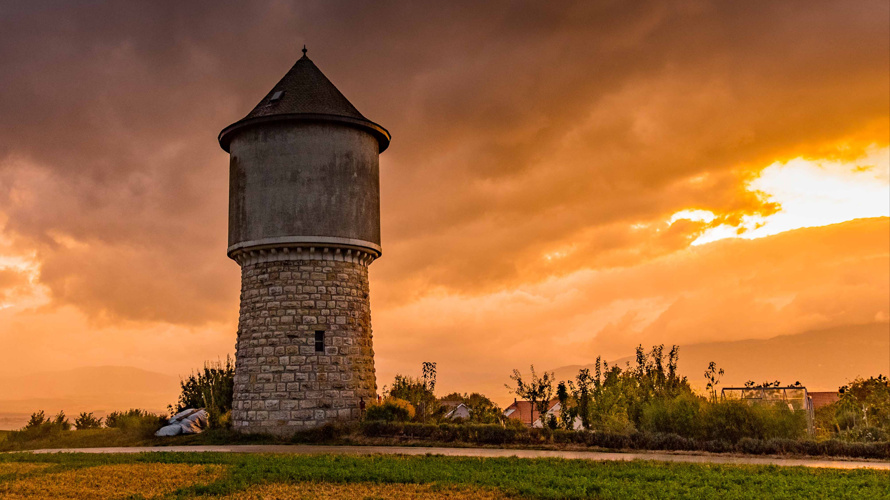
x=497, y=452
x=306, y=183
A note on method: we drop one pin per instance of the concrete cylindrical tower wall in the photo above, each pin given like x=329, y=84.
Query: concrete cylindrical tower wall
x=304, y=183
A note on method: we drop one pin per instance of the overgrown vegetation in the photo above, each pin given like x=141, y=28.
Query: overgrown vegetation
x=390, y=410
x=517, y=435
x=651, y=397
x=212, y=389
x=515, y=477
x=40, y=426
x=418, y=393
x=861, y=414
x=513, y=434
x=135, y=421
x=128, y=428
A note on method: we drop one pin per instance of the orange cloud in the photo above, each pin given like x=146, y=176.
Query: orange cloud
x=729, y=290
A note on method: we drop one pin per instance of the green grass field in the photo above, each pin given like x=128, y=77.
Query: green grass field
x=215, y=475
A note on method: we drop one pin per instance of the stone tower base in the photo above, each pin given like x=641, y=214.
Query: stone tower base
x=304, y=355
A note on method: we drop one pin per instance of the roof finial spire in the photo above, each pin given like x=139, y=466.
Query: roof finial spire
x=304, y=50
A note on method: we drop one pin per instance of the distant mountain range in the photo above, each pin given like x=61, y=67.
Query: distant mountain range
x=822, y=360
x=99, y=389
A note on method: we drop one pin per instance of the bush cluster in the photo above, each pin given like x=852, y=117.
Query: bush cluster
x=139, y=422
x=40, y=426
x=693, y=417
x=87, y=421
x=390, y=410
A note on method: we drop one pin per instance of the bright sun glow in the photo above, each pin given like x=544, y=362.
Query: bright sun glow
x=693, y=215
x=811, y=193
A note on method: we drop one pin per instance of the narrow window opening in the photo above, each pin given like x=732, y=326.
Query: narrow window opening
x=276, y=96
x=319, y=341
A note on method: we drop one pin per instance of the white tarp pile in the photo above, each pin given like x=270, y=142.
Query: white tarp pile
x=189, y=421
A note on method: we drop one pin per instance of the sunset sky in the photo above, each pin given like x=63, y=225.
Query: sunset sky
x=565, y=180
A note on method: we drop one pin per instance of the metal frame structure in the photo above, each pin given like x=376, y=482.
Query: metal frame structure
x=797, y=400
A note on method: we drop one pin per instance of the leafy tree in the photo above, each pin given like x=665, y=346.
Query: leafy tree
x=581, y=392
x=87, y=421
x=868, y=399
x=612, y=399
x=537, y=390
x=429, y=375
x=712, y=374
x=568, y=408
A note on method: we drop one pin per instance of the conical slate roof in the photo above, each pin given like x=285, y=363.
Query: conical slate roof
x=304, y=93
x=305, y=89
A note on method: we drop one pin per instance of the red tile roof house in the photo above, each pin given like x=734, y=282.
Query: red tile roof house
x=522, y=411
x=820, y=399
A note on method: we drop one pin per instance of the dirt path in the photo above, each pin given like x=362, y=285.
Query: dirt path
x=493, y=452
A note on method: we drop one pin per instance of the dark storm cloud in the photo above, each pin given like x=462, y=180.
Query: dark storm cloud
x=519, y=128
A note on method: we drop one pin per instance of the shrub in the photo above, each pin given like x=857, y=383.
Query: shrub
x=865, y=434
x=680, y=415
x=212, y=389
x=61, y=422
x=733, y=420
x=324, y=434
x=87, y=421
x=613, y=423
x=39, y=426
x=668, y=441
x=495, y=434
x=38, y=418
x=418, y=392
x=135, y=421
x=390, y=410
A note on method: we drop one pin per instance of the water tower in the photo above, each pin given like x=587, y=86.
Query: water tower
x=304, y=224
